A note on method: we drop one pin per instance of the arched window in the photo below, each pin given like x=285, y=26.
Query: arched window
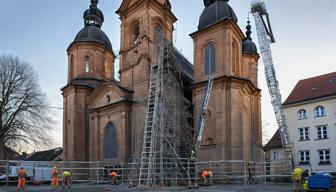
x=235, y=58
x=302, y=114
x=108, y=99
x=158, y=29
x=210, y=59
x=87, y=64
x=209, y=141
x=135, y=33
x=110, y=142
x=71, y=67
x=319, y=111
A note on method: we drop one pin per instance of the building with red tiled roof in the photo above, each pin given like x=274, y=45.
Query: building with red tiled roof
x=310, y=110
x=318, y=87
x=274, y=142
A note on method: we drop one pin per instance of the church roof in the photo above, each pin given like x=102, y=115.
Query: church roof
x=214, y=12
x=93, y=20
x=184, y=65
x=93, y=83
x=93, y=34
x=275, y=142
x=48, y=155
x=313, y=88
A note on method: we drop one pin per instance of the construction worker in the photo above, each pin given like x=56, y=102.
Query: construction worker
x=205, y=176
x=54, y=177
x=192, y=169
x=114, y=176
x=192, y=155
x=297, y=179
x=250, y=174
x=210, y=176
x=66, y=179
x=22, y=174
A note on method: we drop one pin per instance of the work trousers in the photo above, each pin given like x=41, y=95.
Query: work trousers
x=54, y=181
x=114, y=180
x=21, y=183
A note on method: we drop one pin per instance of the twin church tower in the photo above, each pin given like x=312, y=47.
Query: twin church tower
x=104, y=118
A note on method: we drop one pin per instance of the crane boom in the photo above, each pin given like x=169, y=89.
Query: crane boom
x=265, y=38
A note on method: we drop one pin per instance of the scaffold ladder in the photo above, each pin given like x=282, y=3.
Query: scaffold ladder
x=151, y=132
x=202, y=118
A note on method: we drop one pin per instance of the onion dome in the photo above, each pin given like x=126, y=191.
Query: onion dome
x=215, y=11
x=93, y=20
x=249, y=47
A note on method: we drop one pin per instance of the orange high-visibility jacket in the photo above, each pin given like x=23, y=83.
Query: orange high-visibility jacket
x=22, y=174
x=54, y=173
x=114, y=174
x=205, y=174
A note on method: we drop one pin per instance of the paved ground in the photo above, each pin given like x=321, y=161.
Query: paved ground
x=122, y=188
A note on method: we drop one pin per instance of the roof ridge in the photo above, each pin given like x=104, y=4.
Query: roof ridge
x=312, y=88
x=318, y=76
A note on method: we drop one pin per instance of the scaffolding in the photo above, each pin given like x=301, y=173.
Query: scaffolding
x=167, y=133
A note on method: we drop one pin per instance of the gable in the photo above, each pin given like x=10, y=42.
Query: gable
x=107, y=94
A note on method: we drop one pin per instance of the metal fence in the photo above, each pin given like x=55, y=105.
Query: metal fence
x=128, y=173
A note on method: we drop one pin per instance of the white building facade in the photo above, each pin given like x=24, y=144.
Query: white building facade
x=310, y=111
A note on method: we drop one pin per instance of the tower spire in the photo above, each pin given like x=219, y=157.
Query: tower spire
x=94, y=3
x=93, y=15
x=209, y=2
x=248, y=30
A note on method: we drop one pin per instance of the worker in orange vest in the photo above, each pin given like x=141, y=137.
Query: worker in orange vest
x=205, y=176
x=22, y=173
x=114, y=176
x=54, y=177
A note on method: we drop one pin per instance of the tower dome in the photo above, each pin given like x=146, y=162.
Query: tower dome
x=215, y=11
x=93, y=20
x=249, y=47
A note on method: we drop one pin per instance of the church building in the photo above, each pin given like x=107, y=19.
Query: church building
x=104, y=118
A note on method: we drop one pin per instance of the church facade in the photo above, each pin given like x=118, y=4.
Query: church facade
x=104, y=118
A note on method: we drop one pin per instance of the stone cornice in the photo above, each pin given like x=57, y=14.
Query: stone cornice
x=223, y=22
x=114, y=104
x=231, y=79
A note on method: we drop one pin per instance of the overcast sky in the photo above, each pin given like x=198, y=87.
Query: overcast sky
x=39, y=32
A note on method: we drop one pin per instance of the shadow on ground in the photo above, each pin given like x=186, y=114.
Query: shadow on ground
x=122, y=188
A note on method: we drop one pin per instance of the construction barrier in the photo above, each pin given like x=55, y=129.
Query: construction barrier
x=224, y=172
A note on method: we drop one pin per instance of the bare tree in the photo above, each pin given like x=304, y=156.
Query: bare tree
x=24, y=111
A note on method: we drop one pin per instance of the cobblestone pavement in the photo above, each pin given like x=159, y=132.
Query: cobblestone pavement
x=122, y=188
